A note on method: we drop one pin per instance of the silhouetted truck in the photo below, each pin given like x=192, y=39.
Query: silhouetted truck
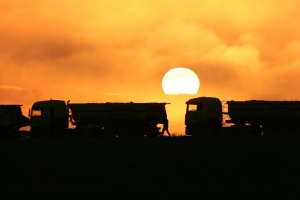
x=11, y=119
x=206, y=114
x=113, y=119
x=203, y=114
x=48, y=118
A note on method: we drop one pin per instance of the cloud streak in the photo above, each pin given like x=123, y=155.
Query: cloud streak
x=10, y=87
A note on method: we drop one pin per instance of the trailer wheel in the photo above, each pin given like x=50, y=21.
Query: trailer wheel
x=256, y=129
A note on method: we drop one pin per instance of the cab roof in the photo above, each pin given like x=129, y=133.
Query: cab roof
x=203, y=99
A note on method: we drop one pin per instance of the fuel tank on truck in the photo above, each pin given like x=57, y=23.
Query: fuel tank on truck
x=258, y=111
x=106, y=113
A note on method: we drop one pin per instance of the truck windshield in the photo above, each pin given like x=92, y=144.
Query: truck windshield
x=36, y=112
x=194, y=107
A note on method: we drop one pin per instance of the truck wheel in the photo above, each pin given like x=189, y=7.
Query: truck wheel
x=34, y=133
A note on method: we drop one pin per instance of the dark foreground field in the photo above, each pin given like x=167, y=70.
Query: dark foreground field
x=209, y=167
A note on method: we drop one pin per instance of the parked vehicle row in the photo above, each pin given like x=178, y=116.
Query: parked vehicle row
x=204, y=115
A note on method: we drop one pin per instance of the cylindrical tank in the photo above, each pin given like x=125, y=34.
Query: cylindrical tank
x=262, y=112
x=113, y=113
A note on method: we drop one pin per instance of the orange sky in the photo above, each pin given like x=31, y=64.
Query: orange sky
x=119, y=50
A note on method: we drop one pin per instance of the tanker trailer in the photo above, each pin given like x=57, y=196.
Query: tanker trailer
x=203, y=115
x=11, y=120
x=48, y=118
x=265, y=116
x=119, y=119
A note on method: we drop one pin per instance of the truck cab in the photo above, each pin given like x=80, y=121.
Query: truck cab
x=203, y=115
x=49, y=116
x=12, y=119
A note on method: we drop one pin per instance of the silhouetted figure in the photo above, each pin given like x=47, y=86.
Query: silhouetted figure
x=166, y=128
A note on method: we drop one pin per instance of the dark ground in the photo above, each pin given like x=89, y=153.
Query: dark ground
x=209, y=167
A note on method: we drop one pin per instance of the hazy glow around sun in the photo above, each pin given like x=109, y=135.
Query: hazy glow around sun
x=180, y=81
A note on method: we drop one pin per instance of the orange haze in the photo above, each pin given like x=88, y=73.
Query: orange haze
x=119, y=50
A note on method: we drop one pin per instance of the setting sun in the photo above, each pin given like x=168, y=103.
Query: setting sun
x=180, y=81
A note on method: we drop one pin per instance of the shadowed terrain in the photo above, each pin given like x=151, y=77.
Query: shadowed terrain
x=207, y=167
